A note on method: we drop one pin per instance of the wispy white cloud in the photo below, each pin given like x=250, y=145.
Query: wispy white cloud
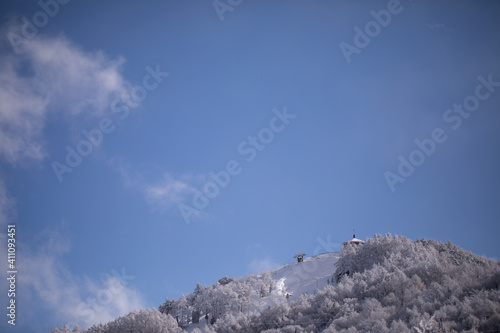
x=163, y=193
x=436, y=26
x=260, y=265
x=171, y=193
x=6, y=205
x=47, y=281
x=262, y=261
x=108, y=299
x=168, y=191
x=51, y=75
x=74, y=299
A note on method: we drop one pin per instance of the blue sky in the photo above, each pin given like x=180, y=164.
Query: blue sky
x=269, y=81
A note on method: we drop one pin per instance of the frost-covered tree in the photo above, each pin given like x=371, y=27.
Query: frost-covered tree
x=183, y=311
x=195, y=302
x=64, y=329
x=225, y=280
x=98, y=328
x=243, y=292
x=78, y=329
x=167, y=307
x=144, y=321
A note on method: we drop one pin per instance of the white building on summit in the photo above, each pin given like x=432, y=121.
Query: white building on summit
x=354, y=240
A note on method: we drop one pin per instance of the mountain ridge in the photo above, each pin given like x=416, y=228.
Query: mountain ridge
x=388, y=284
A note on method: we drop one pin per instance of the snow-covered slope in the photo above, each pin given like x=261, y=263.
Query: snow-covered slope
x=306, y=277
x=295, y=279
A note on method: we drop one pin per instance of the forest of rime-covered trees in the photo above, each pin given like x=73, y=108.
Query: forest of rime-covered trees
x=388, y=284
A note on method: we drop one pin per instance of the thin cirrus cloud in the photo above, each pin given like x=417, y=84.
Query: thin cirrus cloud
x=164, y=193
x=51, y=75
x=161, y=194
x=261, y=265
x=168, y=192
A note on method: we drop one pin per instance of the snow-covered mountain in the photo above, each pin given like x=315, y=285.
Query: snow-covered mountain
x=306, y=277
x=387, y=284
